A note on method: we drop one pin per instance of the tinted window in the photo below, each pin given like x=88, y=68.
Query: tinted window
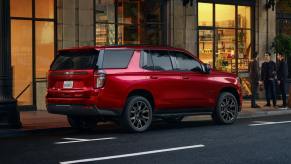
x=146, y=59
x=161, y=60
x=75, y=60
x=186, y=63
x=117, y=58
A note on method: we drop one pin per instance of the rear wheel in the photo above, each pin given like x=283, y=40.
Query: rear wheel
x=137, y=116
x=226, y=109
x=82, y=123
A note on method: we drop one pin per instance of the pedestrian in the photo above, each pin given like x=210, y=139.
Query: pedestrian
x=254, y=79
x=282, y=75
x=268, y=78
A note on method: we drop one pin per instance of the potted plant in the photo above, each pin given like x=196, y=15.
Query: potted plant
x=282, y=44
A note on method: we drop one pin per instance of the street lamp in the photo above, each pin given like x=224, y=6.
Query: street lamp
x=9, y=115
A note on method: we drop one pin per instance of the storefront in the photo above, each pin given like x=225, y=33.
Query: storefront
x=226, y=36
x=221, y=33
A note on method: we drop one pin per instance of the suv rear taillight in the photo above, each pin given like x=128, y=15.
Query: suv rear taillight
x=99, y=79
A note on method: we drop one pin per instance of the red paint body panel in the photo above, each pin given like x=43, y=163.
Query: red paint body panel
x=171, y=90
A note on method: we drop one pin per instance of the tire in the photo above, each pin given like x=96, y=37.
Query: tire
x=173, y=119
x=226, y=111
x=137, y=115
x=82, y=123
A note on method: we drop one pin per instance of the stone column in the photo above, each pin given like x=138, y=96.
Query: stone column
x=265, y=27
x=183, y=25
x=9, y=115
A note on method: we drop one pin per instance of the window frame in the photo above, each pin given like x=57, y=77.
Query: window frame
x=162, y=24
x=35, y=19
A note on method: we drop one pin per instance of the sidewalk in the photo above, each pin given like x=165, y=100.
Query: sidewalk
x=39, y=120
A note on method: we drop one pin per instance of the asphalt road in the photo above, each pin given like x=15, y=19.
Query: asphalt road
x=248, y=141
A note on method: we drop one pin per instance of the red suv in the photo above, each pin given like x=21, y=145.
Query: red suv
x=133, y=84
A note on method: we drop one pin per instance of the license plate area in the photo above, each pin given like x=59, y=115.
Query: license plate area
x=68, y=84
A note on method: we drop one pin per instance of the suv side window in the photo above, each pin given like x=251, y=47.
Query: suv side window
x=117, y=58
x=147, y=61
x=185, y=62
x=157, y=60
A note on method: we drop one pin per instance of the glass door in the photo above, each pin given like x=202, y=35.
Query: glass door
x=206, y=46
x=225, y=59
x=21, y=60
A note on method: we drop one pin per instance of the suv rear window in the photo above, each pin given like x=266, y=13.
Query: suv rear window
x=75, y=60
x=117, y=58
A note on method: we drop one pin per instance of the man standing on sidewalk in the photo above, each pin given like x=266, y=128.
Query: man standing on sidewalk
x=268, y=77
x=282, y=74
x=254, y=79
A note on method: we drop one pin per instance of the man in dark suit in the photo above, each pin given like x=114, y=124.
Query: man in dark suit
x=282, y=75
x=268, y=77
x=254, y=79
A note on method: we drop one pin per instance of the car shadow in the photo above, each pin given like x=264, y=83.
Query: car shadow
x=110, y=128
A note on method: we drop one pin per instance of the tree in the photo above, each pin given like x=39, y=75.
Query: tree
x=282, y=44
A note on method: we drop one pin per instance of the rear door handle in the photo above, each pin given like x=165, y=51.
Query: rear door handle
x=154, y=77
x=185, y=77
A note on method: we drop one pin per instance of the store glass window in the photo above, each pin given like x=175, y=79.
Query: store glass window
x=206, y=46
x=205, y=14
x=244, y=17
x=105, y=18
x=244, y=50
x=44, y=47
x=44, y=9
x=21, y=8
x=21, y=60
x=138, y=22
x=151, y=34
x=225, y=50
x=32, y=49
x=225, y=15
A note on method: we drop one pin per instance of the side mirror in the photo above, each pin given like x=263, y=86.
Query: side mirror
x=207, y=68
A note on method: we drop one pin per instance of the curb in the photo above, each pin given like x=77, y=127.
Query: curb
x=257, y=114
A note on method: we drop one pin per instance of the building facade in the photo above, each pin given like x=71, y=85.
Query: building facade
x=283, y=14
x=222, y=33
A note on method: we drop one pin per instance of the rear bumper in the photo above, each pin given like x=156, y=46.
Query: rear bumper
x=81, y=110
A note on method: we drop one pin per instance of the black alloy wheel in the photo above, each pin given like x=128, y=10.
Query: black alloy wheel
x=137, y=116
x=226, y=109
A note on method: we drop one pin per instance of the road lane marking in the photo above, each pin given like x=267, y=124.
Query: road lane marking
x=132, y=154
x=77, y=140
x=270, y=123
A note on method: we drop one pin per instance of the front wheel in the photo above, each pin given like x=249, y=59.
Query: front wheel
x=226, y=111
x=137, y=116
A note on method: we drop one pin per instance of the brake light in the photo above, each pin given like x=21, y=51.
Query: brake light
x=99, y=79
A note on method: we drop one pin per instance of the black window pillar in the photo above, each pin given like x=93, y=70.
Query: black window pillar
x=9, y=115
